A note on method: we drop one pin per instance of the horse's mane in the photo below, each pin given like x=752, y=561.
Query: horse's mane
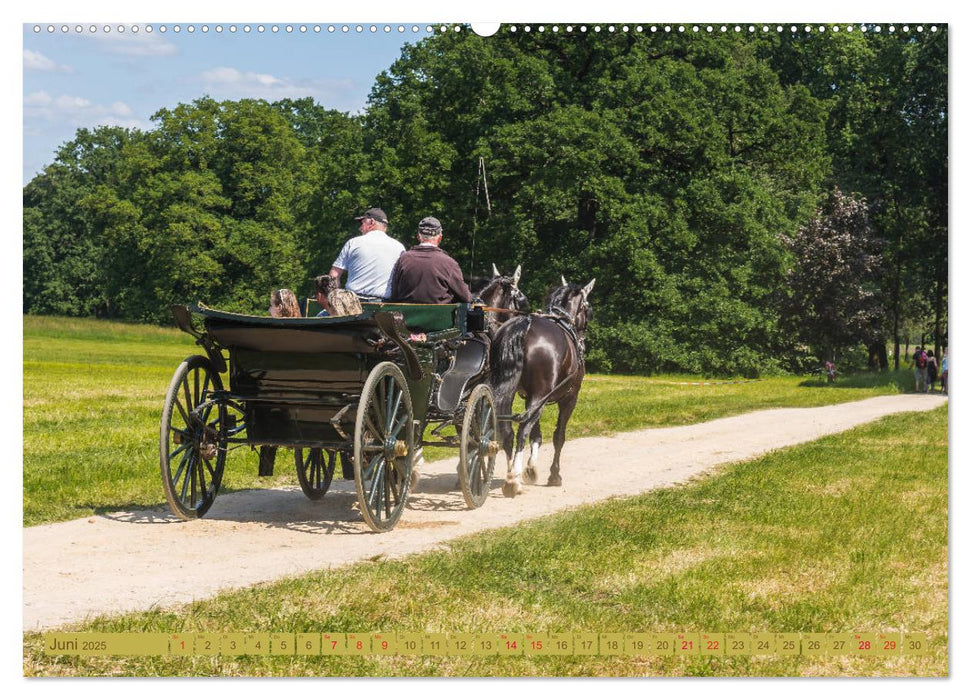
x=562, y=297
x=478, y=284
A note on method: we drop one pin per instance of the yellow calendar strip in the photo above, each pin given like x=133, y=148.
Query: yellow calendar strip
x=507, y=644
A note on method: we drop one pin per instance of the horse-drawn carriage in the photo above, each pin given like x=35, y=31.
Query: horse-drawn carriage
x=370, y=386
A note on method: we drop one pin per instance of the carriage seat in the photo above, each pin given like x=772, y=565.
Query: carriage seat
x=468, y=361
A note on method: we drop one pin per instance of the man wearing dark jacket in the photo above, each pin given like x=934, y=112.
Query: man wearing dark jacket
x=426, y=274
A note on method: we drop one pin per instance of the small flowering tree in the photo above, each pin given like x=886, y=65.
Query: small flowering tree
x=834, y=300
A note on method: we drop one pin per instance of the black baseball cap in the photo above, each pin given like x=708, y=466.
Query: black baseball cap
x=373, y=213
x=430, y=226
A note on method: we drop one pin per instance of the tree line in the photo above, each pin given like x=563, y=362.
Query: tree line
x=747, y=203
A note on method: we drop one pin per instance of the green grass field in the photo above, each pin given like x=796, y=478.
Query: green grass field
x=93, y=393
x=845, y=534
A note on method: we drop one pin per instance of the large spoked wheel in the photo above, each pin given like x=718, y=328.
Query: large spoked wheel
x=193, y=439
x=315, y=471
x=384, y=446
x=478, y=447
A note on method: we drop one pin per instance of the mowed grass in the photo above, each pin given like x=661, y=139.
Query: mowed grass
x=93, y=393
x=845, y=534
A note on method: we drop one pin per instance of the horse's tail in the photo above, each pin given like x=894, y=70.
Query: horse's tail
x=506, y=359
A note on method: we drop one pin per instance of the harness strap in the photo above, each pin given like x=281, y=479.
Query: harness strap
x=505, y=311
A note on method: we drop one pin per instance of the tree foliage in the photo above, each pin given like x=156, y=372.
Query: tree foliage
x=834, y=299
x=682, y=171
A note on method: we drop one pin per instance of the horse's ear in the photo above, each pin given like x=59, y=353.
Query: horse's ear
x=563, y=280
x=515, y=276
x=495, y=271
x=588, y=288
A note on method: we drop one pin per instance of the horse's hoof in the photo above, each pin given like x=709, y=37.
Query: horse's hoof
x=529, y=475
x=554, y=480
x=415, y=476
x=511, y=489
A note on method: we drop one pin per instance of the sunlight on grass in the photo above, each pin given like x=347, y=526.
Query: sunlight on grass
x=759, y=546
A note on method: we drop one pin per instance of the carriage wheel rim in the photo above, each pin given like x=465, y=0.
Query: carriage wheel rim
x=192, y=450
x=385, y=420
x=478, y=430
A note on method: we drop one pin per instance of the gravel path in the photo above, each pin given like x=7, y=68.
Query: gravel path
x=136, y=560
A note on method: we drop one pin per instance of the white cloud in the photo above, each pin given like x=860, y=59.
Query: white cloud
x=41, y=107
x=34, y=60
x=137, y=45
x=231, y=84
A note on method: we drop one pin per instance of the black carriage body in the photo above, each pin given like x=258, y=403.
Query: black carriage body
x=298, y=380
x=364, y=387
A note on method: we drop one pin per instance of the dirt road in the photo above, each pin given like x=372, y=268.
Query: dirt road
x=137, y=560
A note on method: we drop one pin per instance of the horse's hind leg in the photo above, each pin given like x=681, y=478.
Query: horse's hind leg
x=535, y=440
x=513, y=485
x=504, y=408
x=566, y=407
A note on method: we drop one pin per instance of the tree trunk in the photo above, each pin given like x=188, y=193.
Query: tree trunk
x=895, y=310
x=878, y=356
x=938, y=312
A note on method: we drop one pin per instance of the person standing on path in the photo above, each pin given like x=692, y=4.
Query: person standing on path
x=931, y=372
x=920, y=370
x=369, y=258
x=944, y=372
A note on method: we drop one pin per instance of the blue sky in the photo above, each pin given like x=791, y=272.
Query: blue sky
x=85, y=79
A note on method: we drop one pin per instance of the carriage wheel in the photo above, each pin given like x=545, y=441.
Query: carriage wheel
x=192, y=445
x=315, y=471
x=384, y=446
x=478, y=447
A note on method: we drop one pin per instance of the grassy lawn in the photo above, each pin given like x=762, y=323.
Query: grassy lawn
x=845, y=534
x=93, y=393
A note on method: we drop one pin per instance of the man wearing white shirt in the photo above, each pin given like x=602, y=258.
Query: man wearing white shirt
x=369, y=258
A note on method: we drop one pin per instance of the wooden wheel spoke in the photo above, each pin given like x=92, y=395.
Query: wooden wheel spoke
x=188, y=476
x=398, y=425
x=182, y=463
x=180, y=448
x=192, y=478
x=372, y=428
x=394, y=483
x=486, y=421
x=203, y=465
x=377, y=481
x=185, y=415
x=378, y=403
x=393, y=402
x=195, y=387
x=211, y=470
x=205, y=417
x=186, y=391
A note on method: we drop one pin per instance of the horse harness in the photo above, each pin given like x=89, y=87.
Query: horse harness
x=561, y=317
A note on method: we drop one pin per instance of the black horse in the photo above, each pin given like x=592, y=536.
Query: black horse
x=540, y=356
x=501, y=292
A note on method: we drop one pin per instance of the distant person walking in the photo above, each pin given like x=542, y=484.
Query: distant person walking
x=944, y=372
x=931, y=372
x=369, y=258
x=920, y=370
